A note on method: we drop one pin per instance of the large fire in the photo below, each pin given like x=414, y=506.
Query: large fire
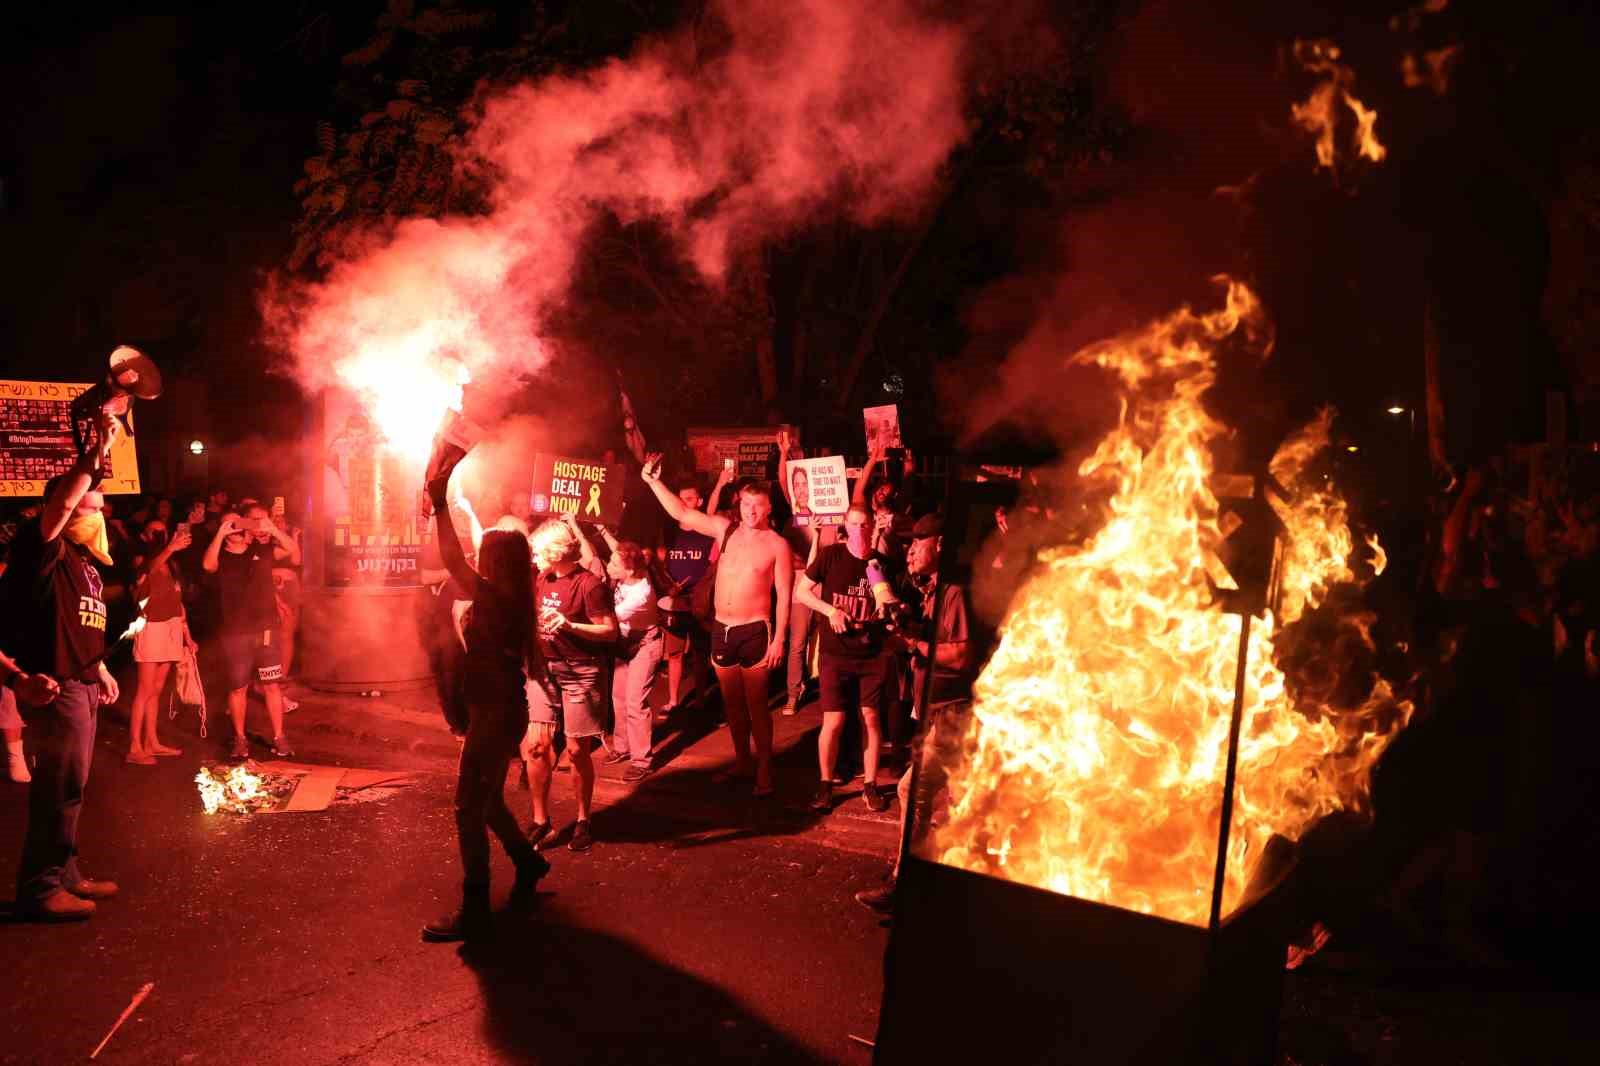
x=1095, y=760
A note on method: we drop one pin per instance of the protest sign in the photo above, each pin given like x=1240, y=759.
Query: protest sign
x=818, y=490
x=883, y=427
x=754, y=449
x=372, y=534
x=589, y=490
x=36, y=440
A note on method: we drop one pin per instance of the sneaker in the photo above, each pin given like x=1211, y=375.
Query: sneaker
x=880, y=899
x=877, y=798
x=468, y=923
x=58, y=906
x=822, y=802
x=281, y=748
x=617, y=758
x=790, y=709
x=636, y=773
x=87, y=889
x=239, y=749
x=537, y=832
x=582, y=838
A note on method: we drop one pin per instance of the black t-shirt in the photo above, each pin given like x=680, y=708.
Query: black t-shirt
x=582, y=598
x=52, y=605
x=843, y=583
x=688, y=556
x=244, y=583
x=952, y=626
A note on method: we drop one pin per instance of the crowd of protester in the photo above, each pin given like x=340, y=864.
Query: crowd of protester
x=549, y=638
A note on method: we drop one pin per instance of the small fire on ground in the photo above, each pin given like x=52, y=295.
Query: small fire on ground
x=239, y=790
x=1094, y=761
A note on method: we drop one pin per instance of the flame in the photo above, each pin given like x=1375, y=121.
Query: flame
x=1094, y=761
x=407, y=393
x=239, y=792
x=1319, y=114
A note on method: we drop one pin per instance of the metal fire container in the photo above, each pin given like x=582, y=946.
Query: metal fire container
x=980, y=969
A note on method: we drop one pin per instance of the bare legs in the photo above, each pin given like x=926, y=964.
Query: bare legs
x=744, y=700
x=828, y=743
x=144, y=716
x=541, y=757
x=272, y=692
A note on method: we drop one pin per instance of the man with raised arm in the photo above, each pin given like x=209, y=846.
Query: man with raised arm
x=53, y=619
x=746, y=640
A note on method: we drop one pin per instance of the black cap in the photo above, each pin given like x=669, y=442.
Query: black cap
x=929, y=525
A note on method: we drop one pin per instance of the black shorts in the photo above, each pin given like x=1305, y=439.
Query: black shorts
x=256, y=655
x=742, y=646
x=850, y=684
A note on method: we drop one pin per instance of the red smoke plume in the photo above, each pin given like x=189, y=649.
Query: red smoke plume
x=808, y=107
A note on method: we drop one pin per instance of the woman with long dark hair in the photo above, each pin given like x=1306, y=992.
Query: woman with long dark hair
x=502, y=649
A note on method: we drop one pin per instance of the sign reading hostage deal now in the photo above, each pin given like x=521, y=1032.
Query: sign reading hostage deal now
x=590, y=491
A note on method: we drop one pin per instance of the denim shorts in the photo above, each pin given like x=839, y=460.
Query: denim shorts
x=572, y=698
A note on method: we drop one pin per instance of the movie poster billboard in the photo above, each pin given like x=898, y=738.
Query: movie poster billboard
x=36, y=441
x=818, y=490
x=587, y=489
x=372, y=531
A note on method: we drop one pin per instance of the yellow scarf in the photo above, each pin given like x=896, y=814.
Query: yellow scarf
x=89, y=532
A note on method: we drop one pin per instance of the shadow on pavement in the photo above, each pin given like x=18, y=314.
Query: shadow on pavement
x=556, y=993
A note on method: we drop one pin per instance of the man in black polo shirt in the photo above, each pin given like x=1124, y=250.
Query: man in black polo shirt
x=53, y=614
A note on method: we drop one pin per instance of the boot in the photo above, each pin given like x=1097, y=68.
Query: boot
x=17, y=763
x=470, y=922
x=531, y=868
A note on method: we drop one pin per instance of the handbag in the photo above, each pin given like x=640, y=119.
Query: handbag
x=187, y=688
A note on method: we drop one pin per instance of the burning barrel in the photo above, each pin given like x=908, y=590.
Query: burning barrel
x=1110, y=878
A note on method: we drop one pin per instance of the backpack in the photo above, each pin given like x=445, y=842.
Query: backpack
x=703, y=600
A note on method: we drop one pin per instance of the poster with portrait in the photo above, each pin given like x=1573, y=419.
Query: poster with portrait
x=372, y=531
x=818, y=490
x=883, y=427
x=36, y=440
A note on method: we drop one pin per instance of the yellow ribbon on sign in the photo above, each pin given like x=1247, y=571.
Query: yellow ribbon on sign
x=593, y=506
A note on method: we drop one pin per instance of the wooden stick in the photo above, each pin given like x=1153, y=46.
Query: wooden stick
x=133, y=1005
x=861, y=1040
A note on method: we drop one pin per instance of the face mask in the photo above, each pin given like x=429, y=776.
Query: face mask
x=855, y=538
x=89, y=531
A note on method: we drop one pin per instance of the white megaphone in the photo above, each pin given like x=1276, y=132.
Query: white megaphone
x=130, y=375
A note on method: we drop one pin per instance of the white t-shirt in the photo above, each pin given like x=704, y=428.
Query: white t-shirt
x=636, y=606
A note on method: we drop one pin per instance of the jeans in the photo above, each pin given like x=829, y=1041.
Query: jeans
x=62, y=736
x=634, y=678
x=490, y=746
x=800, y=617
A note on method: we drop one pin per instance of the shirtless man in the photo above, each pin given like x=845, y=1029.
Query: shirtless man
x=746, y=641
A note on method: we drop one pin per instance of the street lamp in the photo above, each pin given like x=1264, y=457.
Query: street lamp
x=197, y=447
x=1396, y=410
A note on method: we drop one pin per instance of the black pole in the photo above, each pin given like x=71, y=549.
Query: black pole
x=1228, y=779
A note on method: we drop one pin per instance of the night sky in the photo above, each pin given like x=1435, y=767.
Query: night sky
x=149, y=161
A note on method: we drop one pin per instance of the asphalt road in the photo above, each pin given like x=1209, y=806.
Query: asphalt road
x=293, y=938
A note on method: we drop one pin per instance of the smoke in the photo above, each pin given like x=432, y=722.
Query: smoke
x=797, y=111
